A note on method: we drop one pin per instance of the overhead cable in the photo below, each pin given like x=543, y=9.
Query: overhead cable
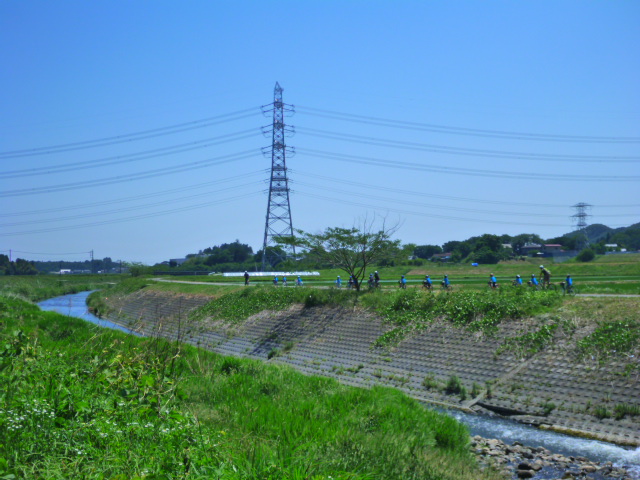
x=128, y=219
x=548, y=157
x=385, y=122
x=135, y=176
x=466, y=171
x=297, y=172
x=131, y=137
x=133, y=198
x=131, y=157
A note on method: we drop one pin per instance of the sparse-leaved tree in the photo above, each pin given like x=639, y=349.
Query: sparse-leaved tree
x=350, y=249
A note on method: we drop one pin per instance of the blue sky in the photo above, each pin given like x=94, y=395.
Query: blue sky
x=452, y=118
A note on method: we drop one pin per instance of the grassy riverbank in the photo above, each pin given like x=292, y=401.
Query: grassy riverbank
x=80, y=402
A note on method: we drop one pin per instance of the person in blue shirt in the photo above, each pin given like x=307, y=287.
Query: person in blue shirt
x=284, y=281
x=445, y=282
x=403, y=282
x=567, y=285
x=338, y=282
x=275, y=280
x=299, y=281
x=351, y=281
x=534, y=280
x=517, y=281
x=371, y=282
x=493, y=281
x=427, y=282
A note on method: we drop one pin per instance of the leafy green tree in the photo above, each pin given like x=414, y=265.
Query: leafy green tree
x=25, y=267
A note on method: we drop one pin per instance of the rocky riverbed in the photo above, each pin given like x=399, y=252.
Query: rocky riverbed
x=519, y=461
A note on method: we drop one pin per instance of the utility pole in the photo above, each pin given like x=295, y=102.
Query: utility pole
x=278, y=222
x=580, y=222
x=92, y=269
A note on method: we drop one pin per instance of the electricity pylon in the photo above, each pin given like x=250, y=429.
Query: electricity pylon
x=580, y=219
x=278, y=223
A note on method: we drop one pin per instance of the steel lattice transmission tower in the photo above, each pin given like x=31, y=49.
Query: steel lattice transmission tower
x=278, y=223
x=580, y=222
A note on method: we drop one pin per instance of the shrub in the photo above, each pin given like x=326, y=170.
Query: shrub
x=586, y=255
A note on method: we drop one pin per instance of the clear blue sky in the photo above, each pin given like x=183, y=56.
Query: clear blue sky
x=563, y=75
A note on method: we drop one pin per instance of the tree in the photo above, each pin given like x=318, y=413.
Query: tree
x=586, y=255
x=352, y=250
x=426, y=251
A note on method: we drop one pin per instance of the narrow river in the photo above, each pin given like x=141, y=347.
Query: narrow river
x=74, y=305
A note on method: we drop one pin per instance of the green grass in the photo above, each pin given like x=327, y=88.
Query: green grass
x=80, y=402
x=411, y=310
x=39, y=287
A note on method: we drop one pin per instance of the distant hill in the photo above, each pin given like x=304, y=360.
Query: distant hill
x=627, y=237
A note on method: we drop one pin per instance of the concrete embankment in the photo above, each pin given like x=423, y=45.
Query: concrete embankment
x=554, y=389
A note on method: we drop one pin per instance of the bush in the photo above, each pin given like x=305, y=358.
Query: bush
x=586, y=255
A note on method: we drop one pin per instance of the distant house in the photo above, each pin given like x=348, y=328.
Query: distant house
x=551, y=247
x=440, y=257
x=530, y=248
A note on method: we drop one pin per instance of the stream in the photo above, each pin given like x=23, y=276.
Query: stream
x=508, y=431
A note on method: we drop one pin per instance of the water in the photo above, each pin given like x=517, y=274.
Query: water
x=74, y=305
x=509, y=431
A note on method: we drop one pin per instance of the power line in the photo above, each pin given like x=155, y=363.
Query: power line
x=465, y=171
x=143, y=155
x=52, y=254
x=430, y=215
x=136, y=176
x=135, y=197
x=444, y=197
x=548, y=157
x=128, y=219
x=130, y=137
x=444, y=207
x=121, y=210
x=385, y=122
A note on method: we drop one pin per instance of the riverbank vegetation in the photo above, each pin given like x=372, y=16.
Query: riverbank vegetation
x=80, y=402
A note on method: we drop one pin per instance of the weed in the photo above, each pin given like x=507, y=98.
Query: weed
x=547, y=407
x=602, y=412
x=274, y=352
x=621, y=410
x=430, y=383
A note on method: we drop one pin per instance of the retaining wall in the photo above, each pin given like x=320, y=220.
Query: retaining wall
x=553, y=389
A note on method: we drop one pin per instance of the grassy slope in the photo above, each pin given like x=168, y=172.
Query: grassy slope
x=80, y=402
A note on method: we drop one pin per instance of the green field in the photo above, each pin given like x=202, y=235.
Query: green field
x=77, y=401
x=607, y=274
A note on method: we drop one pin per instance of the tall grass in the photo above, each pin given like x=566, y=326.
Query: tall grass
x=40, y=287
x=79, y=402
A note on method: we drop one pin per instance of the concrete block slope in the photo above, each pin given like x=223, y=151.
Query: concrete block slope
x=442, y=364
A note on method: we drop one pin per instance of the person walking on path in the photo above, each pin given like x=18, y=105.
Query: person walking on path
x=246, y=277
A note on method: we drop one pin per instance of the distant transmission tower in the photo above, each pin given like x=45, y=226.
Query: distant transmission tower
x=278, y=223
x=580, y=222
